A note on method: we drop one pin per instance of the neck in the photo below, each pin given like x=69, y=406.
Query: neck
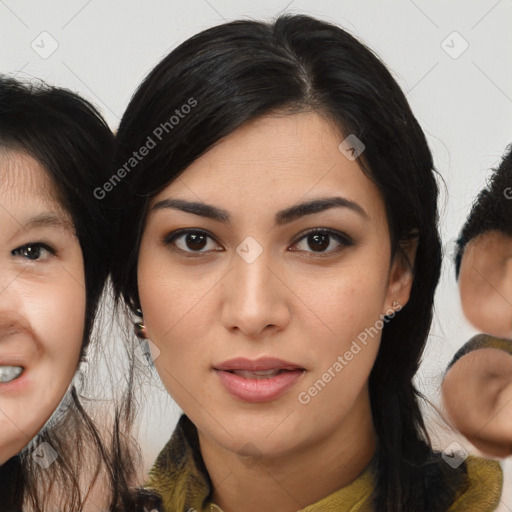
x=284, y=483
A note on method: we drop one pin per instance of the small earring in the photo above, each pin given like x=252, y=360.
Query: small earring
x=140, y=330
x=394, y=304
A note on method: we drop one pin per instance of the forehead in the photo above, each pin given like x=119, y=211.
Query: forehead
x=274, y=160
x=22, y=178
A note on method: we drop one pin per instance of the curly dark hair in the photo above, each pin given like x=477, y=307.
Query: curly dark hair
x=492, y=209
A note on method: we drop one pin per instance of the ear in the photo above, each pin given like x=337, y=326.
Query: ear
x=477, y=393
x=401, y=275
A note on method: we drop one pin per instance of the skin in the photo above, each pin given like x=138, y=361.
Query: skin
x=42, y=298
x=485, y=283
x=477, y=393
x=290, y=303
x=477, y=390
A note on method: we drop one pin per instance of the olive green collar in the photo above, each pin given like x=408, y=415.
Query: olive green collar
x=181, y=478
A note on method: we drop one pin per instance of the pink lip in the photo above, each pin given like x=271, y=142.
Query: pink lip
x=16, y=385
x=22, y=357
x=262, y=364
x=262, y=389
x=13, y=360
x=17, y=352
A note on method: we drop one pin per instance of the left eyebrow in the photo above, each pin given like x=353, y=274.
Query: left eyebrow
x=316, y=206
x=282, y=217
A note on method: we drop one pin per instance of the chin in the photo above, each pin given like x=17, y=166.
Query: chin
x=492, y=448
x=257, y=439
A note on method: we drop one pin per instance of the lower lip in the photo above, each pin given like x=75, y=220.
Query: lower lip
x=259, y=390
x=16, y=385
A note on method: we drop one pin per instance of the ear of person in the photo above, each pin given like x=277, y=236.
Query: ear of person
x=477, y=394
x=401, y=274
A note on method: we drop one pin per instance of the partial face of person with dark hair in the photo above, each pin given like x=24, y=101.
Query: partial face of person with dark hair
x=55, y=234
x=261, y=317
x=477, y=388
x=42, y=300
x=484, y=259
x=485, y=283
x=477, y=393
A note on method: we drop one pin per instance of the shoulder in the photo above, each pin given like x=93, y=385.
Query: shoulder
x=483, y=487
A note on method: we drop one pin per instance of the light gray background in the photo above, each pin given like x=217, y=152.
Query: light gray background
x=103, y=48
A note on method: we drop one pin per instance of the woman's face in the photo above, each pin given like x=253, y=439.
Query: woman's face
x=242, y=271
x=42, y=301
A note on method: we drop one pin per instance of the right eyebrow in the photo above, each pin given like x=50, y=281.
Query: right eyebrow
x=51, y=220
x=202, y=209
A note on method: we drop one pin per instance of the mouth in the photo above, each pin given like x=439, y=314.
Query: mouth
x=10, y=373
x=262, y=366
x=262, y=374
x=260, y=380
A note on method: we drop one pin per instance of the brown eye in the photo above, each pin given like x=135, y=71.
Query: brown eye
x=195, y=241
x=191, y=241
x=323, y=242
x=319, y=241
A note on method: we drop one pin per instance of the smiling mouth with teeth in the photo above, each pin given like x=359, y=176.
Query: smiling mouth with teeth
x=9, y=373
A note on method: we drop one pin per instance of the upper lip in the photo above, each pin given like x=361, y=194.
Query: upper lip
x=16, y=353
x=13, y=360
x=261, y=364
x=14, y=363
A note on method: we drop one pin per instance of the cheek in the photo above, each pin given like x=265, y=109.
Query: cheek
x=345, y=347
x=486, y=306
x=55, y=309
x=173, y=308
x=54, y=312
x=172, y=295
x=494, y=316
x=60, y=310
x=57, y=319
x=346, y=301
x=61, y=319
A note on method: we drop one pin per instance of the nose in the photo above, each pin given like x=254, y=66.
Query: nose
x=255, y=300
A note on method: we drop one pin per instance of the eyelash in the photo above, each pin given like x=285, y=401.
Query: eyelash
x=33, y=245
x=344, y=241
